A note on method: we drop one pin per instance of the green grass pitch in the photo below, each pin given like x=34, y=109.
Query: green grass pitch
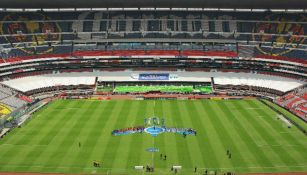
x=258, y=141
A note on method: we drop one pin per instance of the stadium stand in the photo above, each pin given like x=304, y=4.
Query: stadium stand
x=10, y=98
x=296, y=102
x=4, y=110
x=13, y=101
x=273, y=39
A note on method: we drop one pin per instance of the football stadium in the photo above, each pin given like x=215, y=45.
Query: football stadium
x=153, y=87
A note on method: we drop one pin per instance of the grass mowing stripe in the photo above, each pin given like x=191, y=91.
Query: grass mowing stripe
x=281, y=140
x=204, y=133
x=238, y=140
x=24, y=136
x=146, y=157
x=171, y=147
x=90, y=137
x=66, y=135
x=201, y=138
x=246, y=136
x=257, y=135
x=221, y=137
x=121, y=156
x=31, y=153
x=109, y=115
x=183, y=151
x=160, y=112
x=264, y=134
x=193, y=142
x=112, y=117
x=288, y=134
x=239, y=120
x=79, y=134
x=296, y=119
x=181, y=146
x=134, y=151
x=113, y=144
x=274, y=137
x=20, y=136
x=223, y=121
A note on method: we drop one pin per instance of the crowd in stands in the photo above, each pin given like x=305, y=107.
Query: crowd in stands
x=296, y=102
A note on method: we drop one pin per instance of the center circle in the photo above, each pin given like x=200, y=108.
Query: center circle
x=153, y=130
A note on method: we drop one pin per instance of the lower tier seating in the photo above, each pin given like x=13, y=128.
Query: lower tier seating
x=295, y=101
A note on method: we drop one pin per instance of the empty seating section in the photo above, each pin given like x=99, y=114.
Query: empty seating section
x=10, y=98
x=3, y=95
x=5, y=92
x=13, y=101
x=296, y=102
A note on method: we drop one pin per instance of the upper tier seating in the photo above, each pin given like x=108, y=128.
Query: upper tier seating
x=61, y=28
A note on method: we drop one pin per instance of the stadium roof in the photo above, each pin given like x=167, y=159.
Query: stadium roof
x=237, y=4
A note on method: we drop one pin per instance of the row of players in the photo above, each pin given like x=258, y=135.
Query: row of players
x=141, y=129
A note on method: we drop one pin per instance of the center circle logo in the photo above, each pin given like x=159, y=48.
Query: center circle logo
x=154, y=130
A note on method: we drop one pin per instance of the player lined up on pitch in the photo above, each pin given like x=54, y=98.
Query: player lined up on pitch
x=154, y=126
